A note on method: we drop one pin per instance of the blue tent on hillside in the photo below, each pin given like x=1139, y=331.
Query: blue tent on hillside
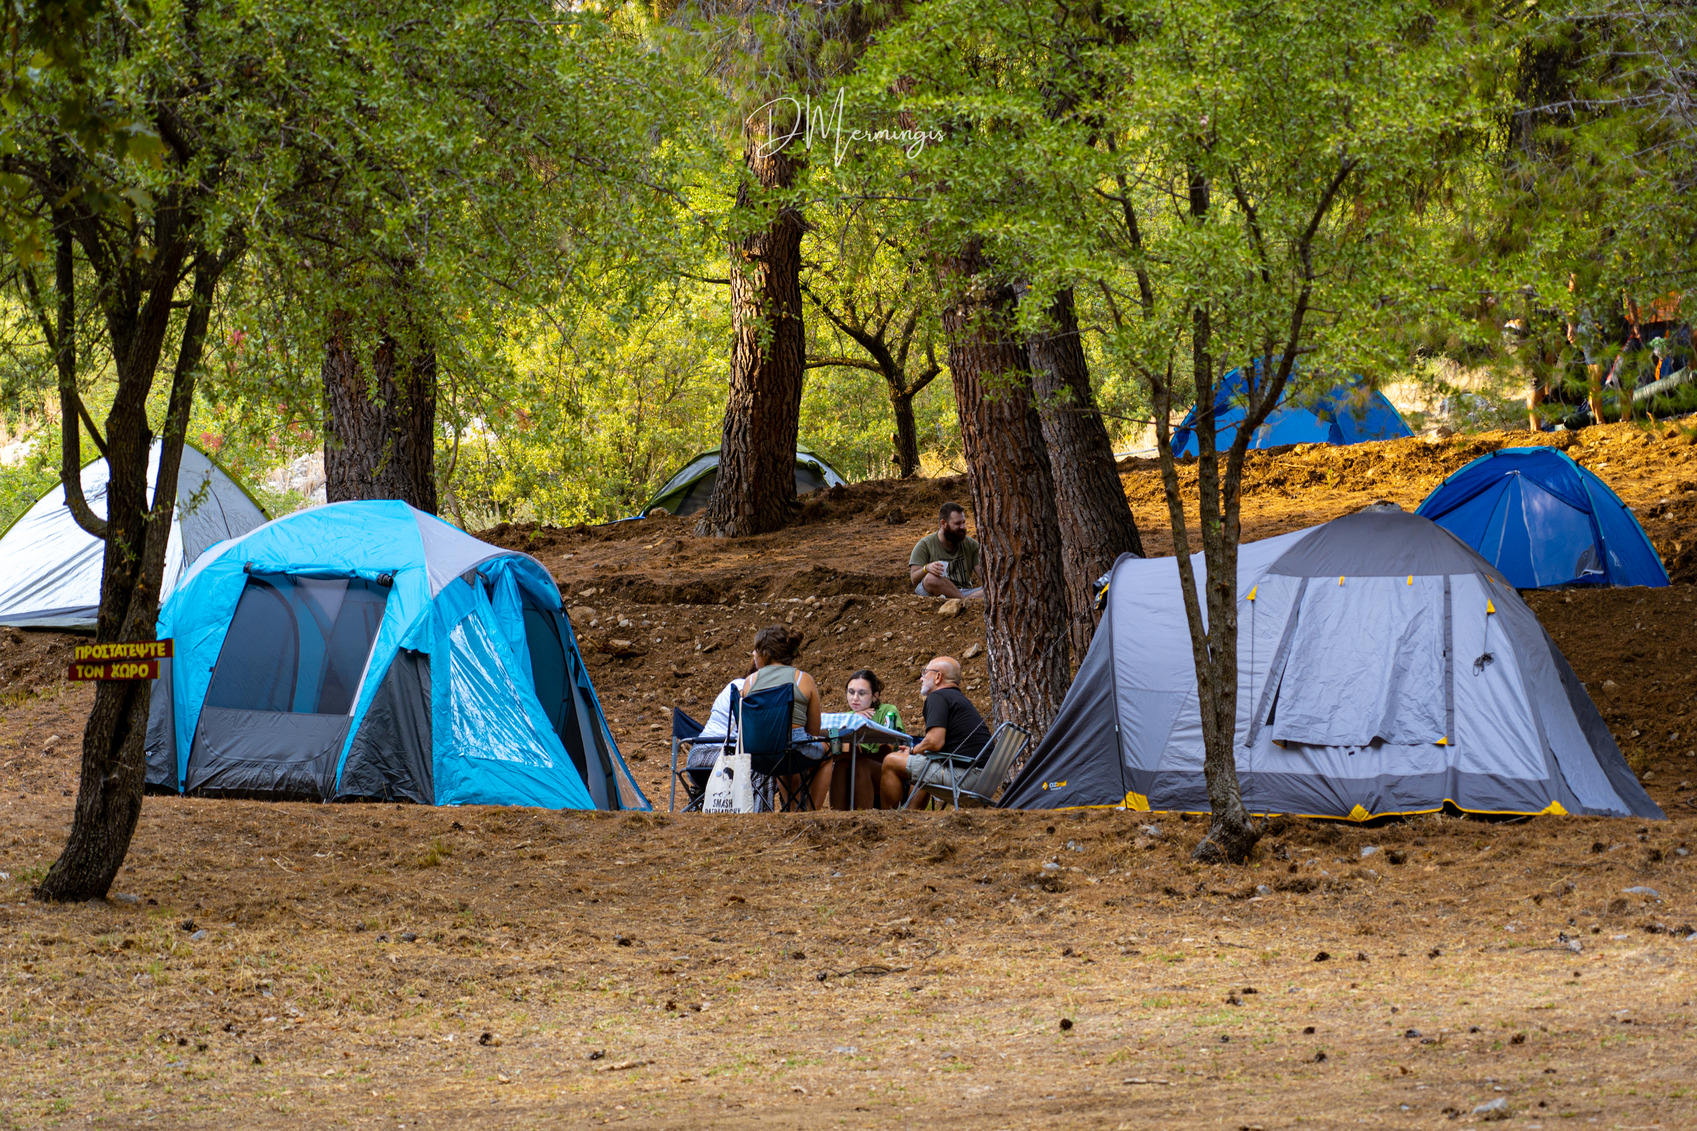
x=1348, y=413
x=1544, y=521
x=370, y=651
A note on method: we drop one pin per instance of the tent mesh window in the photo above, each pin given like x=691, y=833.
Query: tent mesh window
x=298, y=644
x=553, y=681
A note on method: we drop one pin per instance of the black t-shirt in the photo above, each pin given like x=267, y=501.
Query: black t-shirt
x=965, y=731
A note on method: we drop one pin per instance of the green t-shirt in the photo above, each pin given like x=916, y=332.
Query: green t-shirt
x=963, y=563
x=884, y=714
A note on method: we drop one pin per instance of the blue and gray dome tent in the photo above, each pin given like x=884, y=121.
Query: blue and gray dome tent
x=1383, y=668
x=1544, y=521
x=367, y=650
x=690, y=489
x=1348, y=413
x=50, y=566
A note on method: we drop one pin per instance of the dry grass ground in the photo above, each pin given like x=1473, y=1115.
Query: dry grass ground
x=280, y=965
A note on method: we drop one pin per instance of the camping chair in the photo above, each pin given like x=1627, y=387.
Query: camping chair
x=694, y=778
x=763, y=722
x=976, y=778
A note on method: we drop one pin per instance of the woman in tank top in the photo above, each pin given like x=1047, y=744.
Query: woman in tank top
x=775, y=651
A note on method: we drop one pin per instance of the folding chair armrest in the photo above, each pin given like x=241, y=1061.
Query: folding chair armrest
x=951, y=756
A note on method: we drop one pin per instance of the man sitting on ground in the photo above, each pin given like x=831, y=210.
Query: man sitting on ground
x=952, y=723
x=943, y=564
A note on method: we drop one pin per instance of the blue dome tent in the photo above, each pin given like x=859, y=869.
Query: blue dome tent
x=370, y=651
x=1544, y=521
x=1348, y=413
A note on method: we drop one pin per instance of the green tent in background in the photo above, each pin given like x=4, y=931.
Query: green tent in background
x=688, y=490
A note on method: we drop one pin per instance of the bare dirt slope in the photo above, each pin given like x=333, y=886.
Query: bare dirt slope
x=273, y=964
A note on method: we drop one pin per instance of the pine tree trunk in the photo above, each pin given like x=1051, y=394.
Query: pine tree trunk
x=1013, y=498
x=907, y=435
x=379, y=431
x=1096, y=523
x=755, y=492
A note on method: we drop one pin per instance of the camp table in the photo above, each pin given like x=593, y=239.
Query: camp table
x=852, y=731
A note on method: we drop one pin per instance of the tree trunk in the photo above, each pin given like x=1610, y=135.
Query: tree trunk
x=1231, y=834
x=114, y=759
x=755, y=491
x=1013, y=497
x=907, y=435
x=379, y=433
x=1096, y=524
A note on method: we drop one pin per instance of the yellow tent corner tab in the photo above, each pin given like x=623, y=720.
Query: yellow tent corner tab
x=1360, y=814
x=1444, y=741
x=1489, y=607
x=1252, y=590
x=1137, y=802
x=1411, y=579
x=1554, y=809
x=1340, y=581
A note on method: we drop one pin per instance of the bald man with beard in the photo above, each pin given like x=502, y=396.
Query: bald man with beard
x=952, y=723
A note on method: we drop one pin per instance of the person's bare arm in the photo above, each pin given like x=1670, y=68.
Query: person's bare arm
x=915, y=572
x=932, y=743
x=810, y=689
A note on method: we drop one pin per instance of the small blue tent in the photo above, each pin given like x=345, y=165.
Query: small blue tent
x=1544, y=521
x=1348, y=413
x=367, y=650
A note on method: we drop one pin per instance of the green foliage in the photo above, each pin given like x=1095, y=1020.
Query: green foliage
x=594, y=419
x=1599, y=159
x=536, y=192
x=1274, y=108
x=846, y=417
x=870, y=305
x=21, y=484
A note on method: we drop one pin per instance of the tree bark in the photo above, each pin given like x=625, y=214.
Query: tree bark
x=1231, y=834
x=907, y=435
x=1096, y=523
x=114, y=760
x=379, y=432
x=1013, y=497
x=755, y=491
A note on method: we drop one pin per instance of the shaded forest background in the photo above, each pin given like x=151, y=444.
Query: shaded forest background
x=582, y=354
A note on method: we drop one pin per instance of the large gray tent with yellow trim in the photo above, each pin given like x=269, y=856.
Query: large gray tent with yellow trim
x=1383, y=668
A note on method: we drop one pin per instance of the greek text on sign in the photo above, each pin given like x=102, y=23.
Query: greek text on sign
x=137, y=650
x=115, y=669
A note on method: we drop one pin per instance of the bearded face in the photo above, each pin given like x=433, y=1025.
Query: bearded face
x=953, y=531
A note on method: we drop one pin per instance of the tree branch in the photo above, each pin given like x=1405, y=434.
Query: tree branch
x=40, y=309
x=845, y=362
x=65, y=358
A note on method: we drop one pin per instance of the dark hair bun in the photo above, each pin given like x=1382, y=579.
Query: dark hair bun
x=779, y=644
